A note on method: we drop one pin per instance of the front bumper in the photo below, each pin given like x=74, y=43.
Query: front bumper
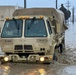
x=30, y=58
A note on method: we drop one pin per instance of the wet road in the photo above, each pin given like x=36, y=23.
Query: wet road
x=38, y=69
x=65, y=66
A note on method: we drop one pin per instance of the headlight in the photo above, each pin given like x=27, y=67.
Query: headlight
x=42, y=59
x=5, y=58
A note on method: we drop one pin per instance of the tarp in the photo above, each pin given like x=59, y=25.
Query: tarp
x=59, y=15
x=37, y=11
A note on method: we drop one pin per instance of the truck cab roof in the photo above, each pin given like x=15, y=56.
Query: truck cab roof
x=38, y=11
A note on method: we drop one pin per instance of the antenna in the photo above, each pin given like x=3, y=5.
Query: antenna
x=56, y=4
x=24, y=3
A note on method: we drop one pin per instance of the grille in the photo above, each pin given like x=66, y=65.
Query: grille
x=28, y=47
x=18, y=47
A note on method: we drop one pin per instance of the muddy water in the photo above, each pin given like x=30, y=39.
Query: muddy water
x=65, y=66
x=38, y=69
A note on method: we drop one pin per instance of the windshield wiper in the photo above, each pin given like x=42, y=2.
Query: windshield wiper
x=32, y=21
x=16, y=24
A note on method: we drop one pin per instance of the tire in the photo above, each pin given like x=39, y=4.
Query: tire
x=55, y=57
x=61, y=48
x=63, y=44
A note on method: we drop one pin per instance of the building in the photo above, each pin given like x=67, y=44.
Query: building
x=6, y=11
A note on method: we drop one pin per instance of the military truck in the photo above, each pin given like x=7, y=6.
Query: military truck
x=33, y=35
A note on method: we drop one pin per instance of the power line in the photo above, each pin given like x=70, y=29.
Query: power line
x=73, y=14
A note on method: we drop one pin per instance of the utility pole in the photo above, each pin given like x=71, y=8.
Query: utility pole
x=56, y=4
x=73, y=14
x=68, y=5
x=24, y=3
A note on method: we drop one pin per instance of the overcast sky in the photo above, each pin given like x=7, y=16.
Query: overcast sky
x=37, y=3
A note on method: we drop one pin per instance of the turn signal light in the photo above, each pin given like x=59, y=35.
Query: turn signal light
x=41, y=17
x=7, y=18
x=27, y=17
x=21, y=17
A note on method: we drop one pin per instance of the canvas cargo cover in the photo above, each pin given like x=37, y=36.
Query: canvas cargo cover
x=34, y=11
x=40, y=11
x=37, y=11
x=59, y=15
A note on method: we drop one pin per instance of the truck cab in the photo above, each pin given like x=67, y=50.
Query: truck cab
x=31, y=38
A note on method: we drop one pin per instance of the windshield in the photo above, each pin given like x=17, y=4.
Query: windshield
x=35, y=28
x=12, y=28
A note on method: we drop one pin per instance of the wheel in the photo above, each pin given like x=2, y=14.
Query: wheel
x=63, y=44
x=61, y=47
x=55, y=57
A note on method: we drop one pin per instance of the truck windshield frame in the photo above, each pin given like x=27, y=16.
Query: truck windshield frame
x=49, y=27
x=12, y=28
x=35, y=28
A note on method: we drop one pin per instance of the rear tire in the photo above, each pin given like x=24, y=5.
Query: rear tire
x=61, y=47
x=55, y=57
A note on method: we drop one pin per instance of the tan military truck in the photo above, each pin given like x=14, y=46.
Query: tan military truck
x=33, y=35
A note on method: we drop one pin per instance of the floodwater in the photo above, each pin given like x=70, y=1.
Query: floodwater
x=65, y=66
